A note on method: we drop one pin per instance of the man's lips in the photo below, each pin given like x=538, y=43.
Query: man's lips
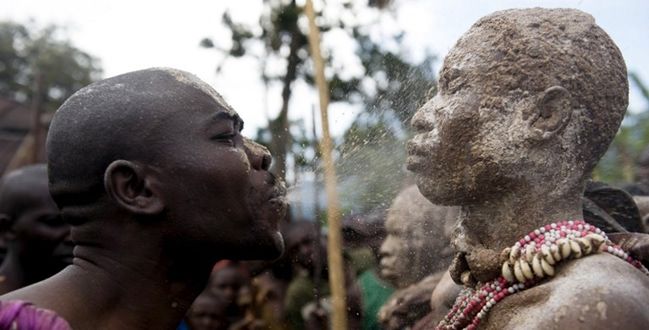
x=415, y=163
x=278, y=199
x=278, y=194
x=387, y=272
x=418, y=156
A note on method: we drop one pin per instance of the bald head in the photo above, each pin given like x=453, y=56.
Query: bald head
x=527, y=51
x=124, y=117
x=23, y=189
x=417, y=242
x=527, y=97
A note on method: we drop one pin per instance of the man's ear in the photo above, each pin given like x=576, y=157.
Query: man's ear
x=133, y=188
x=6, y=227
x=552, y=113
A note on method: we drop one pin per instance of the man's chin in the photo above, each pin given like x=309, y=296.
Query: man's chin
x=388, y=276
x=434, y=190
x=269, y=247
x=278, y=248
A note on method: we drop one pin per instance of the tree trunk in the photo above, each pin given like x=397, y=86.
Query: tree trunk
x=279, y=127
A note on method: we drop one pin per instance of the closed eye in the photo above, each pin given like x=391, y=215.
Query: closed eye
x=51, y=220
x=228, y=138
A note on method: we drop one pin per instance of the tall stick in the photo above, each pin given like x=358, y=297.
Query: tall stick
x=334, y=246
x=318, y=255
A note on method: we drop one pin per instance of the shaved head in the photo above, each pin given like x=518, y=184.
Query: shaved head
x=23, y=188
x=122, y=117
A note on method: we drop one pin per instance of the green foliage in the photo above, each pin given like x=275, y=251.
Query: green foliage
x=618, y=164
x=27, y=53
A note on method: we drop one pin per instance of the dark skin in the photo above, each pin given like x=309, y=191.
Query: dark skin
x=300, y=245
x=208, y=313
x=37, y=247
x=226, y=284
x=168, y=187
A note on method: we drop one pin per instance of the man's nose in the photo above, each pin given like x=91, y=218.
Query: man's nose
x=65, y=235
x=423, y=120
x=384, y=251
x=258, y=155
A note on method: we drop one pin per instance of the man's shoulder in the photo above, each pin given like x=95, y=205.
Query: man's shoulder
x=597, y=292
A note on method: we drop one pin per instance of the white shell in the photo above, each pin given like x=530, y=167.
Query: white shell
x=507, y=272
x=549, y=270
x=564, y=246
x=556, y=254
x=529, y=253
x=586, y=246
x=596, y=239
x=527, y=270
x=514, y=254
x=547, y=254
x=536, y=266
x=518, y=273
x=466, y=278
x=576, y=249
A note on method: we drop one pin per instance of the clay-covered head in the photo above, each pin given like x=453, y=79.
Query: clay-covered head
x=526, y=97
x=161, y=146
x=29, y=219
x=417, y=242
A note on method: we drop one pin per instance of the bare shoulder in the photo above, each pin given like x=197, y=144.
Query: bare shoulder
x=597, y=292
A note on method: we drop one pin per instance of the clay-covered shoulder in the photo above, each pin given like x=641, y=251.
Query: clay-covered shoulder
x=597, y=292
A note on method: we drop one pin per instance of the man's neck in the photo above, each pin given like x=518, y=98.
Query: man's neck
x=485, y=229
x=146, y=290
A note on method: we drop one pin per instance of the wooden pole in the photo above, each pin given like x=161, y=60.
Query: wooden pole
x=317, y=243
x=334, y=246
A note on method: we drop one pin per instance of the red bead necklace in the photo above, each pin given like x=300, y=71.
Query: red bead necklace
x=531, y=259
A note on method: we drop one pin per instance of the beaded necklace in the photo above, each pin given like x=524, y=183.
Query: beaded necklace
x=527, y=262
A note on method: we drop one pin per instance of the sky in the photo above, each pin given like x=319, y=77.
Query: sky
x=131, y=35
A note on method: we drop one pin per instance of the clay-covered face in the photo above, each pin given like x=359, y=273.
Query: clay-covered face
x=462, y=135
x=397, y=253
x=217, y=182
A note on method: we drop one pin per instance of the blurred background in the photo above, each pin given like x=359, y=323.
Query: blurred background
x=382, y=61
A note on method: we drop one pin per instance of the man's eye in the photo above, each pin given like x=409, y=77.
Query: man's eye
x=226, y=138
x=53, y=220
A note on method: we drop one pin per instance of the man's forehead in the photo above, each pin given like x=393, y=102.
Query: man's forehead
x=394, y=221
x=196, y=83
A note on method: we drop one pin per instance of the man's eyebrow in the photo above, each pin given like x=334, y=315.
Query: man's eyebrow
x=238, y=122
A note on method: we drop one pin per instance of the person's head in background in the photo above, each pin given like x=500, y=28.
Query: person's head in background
x=35, y=234
x=228, y=282
x=417, y=242
x=208, y=313
x=301, y=246
x=363, y=235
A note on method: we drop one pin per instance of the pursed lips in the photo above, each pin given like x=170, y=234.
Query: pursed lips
x=416, y=155
x=278, y=192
